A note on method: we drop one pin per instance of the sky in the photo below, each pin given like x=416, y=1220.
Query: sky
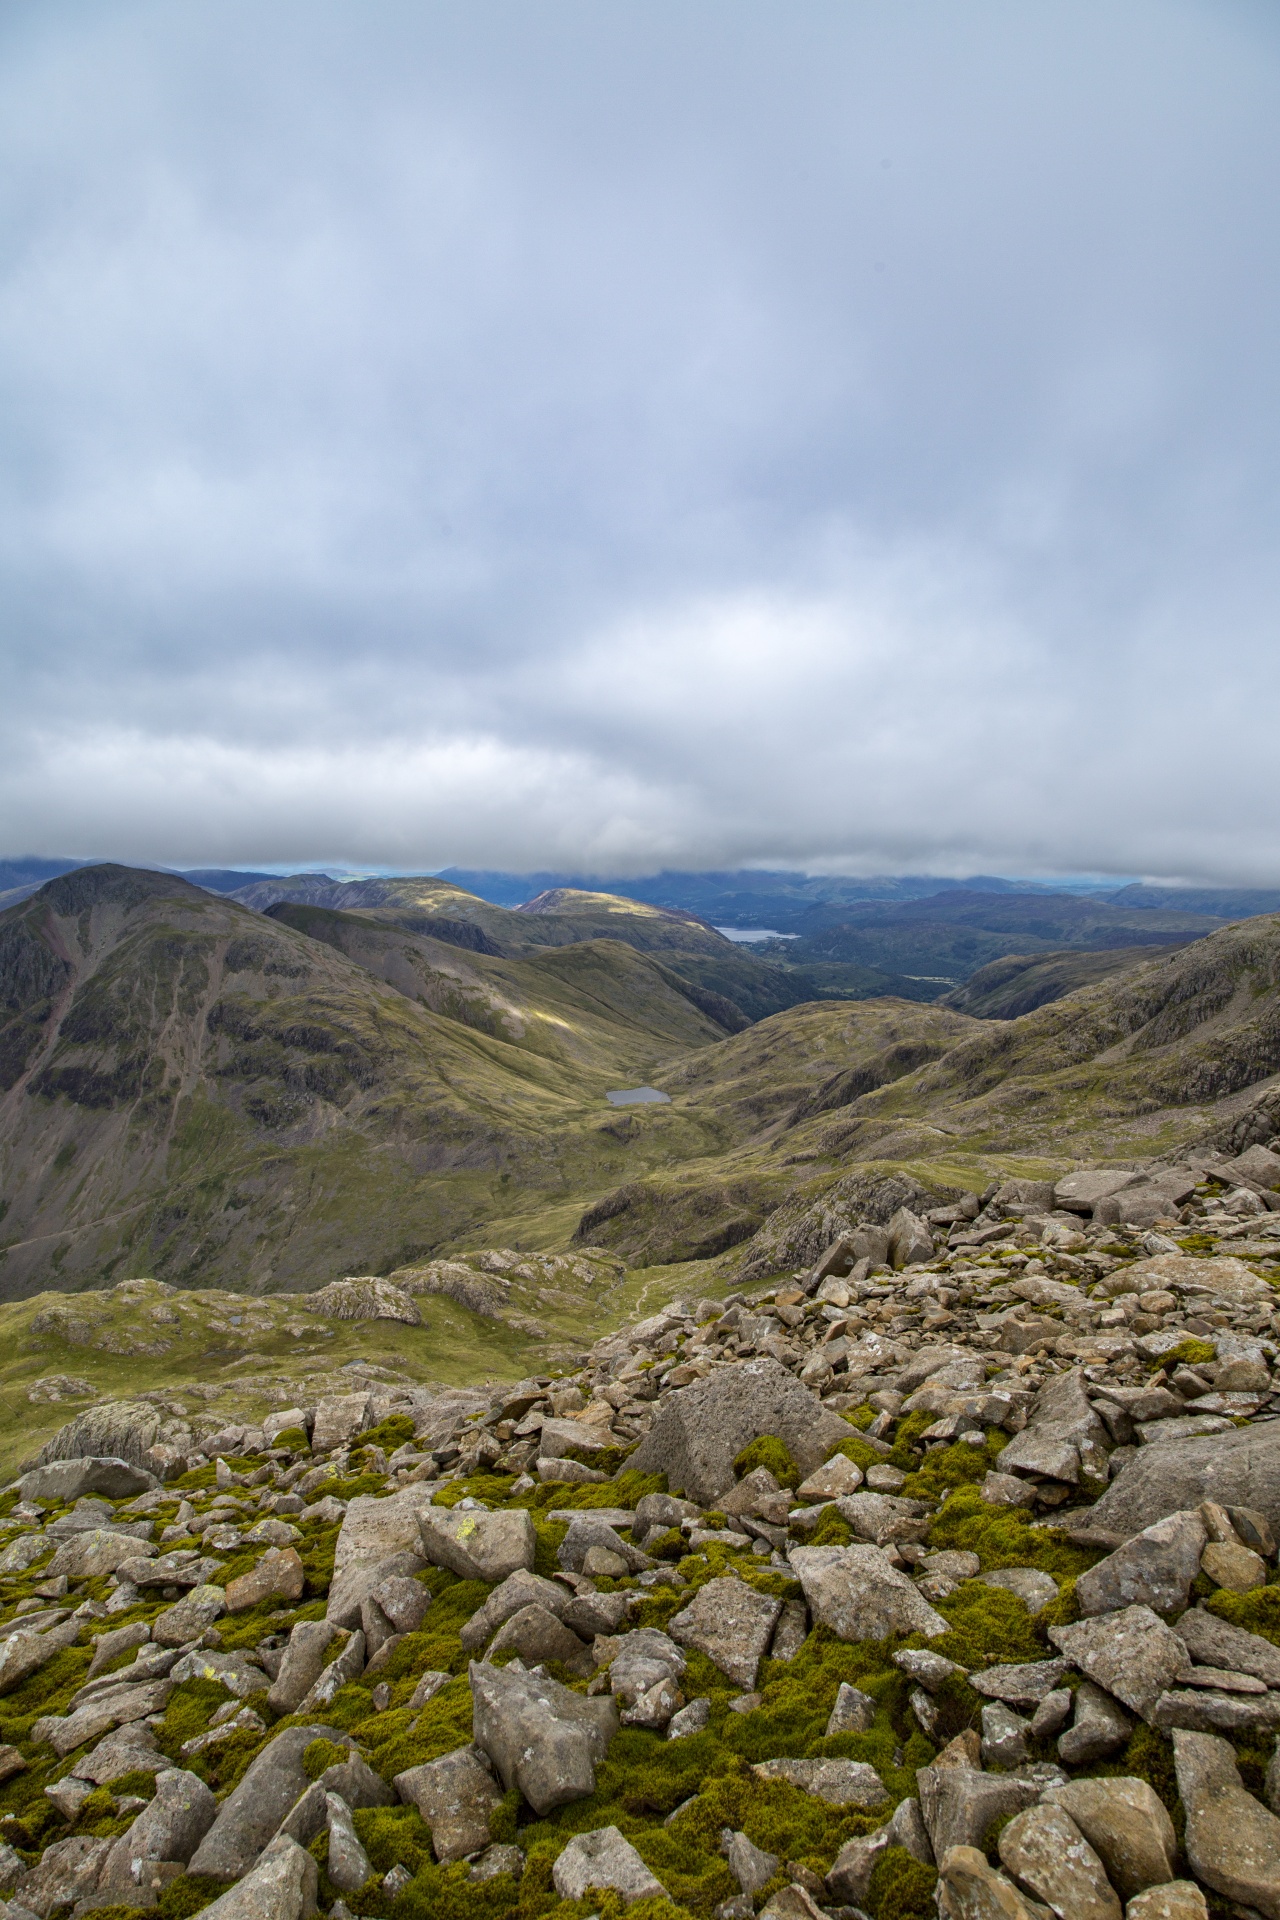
x=601, y=436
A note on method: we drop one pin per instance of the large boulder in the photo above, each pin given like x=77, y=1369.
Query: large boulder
x=456, y=1798
x=116, y=1430
x=477, y=1545
x=251, y=1813
x=861, y=1595
x=1155, y=1569
x=1125, y=1822
x=540, y=1736
x=69, y=1480
x=282, y=1886
x=170, y=1827
x=519, y=1590
x=1232, y=1841
x=604, y=1860
x=731, y=1623
x=1239, y=1468
x=700, y=1430
x=1132, y=1654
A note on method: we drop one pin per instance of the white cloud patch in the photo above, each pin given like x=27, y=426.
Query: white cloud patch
x=664, y=435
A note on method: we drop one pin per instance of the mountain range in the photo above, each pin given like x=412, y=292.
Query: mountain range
x=216, y=1094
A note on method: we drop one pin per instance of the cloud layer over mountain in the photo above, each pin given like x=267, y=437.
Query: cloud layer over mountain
x=608, y=437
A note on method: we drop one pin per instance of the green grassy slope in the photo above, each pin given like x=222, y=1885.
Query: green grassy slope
x=1020, y=983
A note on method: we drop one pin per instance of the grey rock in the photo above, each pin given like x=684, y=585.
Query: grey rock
x=496, y=1860
x=348, y=1864
x=129, y=1749
x=587, y=1530
x=969, y=1888
x=1033, y=1588
x=281, y=1886
x=907, y=1829
x=456, y=1797
x=302, y=1665
x=1052, y=1714
x=1155, y=1569
x=190, y=1617
x=853, y=1711
x=23, y=1653
x=849, y=1878
x=87, y=1556
x=1205, y=1710
x=1005, y=1737
x=1216, y=1643
x=1063, y=1436
x=116, y=1430
x=731, y=1623
x=478, y=1545
x=604, y=1860
x=592, y=1613
x=750, y=1866
x=791, y=1631
x=170, y=1827
x=1025, y=1685
x=1100, y=1727
x=345, y=1666
x=519, y=1589
x=959, y=1803
x=842, y=1783
x=640, y=1659
x=1126, y=1824
x=1238, y=1468
x=1007, y=1490
x=1046, y=1852
x=1081, y=1192
x=1132, y=1654
x=540, y=1736
x=881, y=1518
x=537, y=1635
x=109, y=1646
x=64, y=1480
x=357, y=1783
x=691, y=1719
x=1232, y=1841
x=375, y=1534
x=66, y=1874
x=252, y=1811
x=929, y=1669
x=861, y=1595
x=235, y=1671
x=1272, y=1785
x=701, y=1429
x=910, y=1242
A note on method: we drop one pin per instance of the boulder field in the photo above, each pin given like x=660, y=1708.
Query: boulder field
x=936, y=1579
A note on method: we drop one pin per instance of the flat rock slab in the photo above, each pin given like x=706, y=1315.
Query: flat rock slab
x=731, y=1623
x=1237, y=1468
x=1132, y=1655
x=1021, y=1686
x=1155, y=1569
x=861, y=1595
x=478, y=1545
x=841, y=1783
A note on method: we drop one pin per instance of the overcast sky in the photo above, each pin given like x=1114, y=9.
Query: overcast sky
x=607, y=436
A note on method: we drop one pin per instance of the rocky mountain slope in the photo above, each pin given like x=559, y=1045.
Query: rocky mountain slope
x=1021, y=982
x=195, y=1089
x=937, y=1576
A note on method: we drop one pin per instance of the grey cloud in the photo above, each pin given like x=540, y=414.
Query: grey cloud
x=600, y=437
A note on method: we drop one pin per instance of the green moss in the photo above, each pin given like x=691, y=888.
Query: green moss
x=861, y=1452
x=767, y=1451
x=143, y=1784
x=902, y=1888
x=831, y=1531
x=184, y=1897
x=954, y=1466
x=395, y=1431
x=295, y=1438
x=1006, y=1536
x=1257, y=1612
x=1189, y=1353
x=322, y=1754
